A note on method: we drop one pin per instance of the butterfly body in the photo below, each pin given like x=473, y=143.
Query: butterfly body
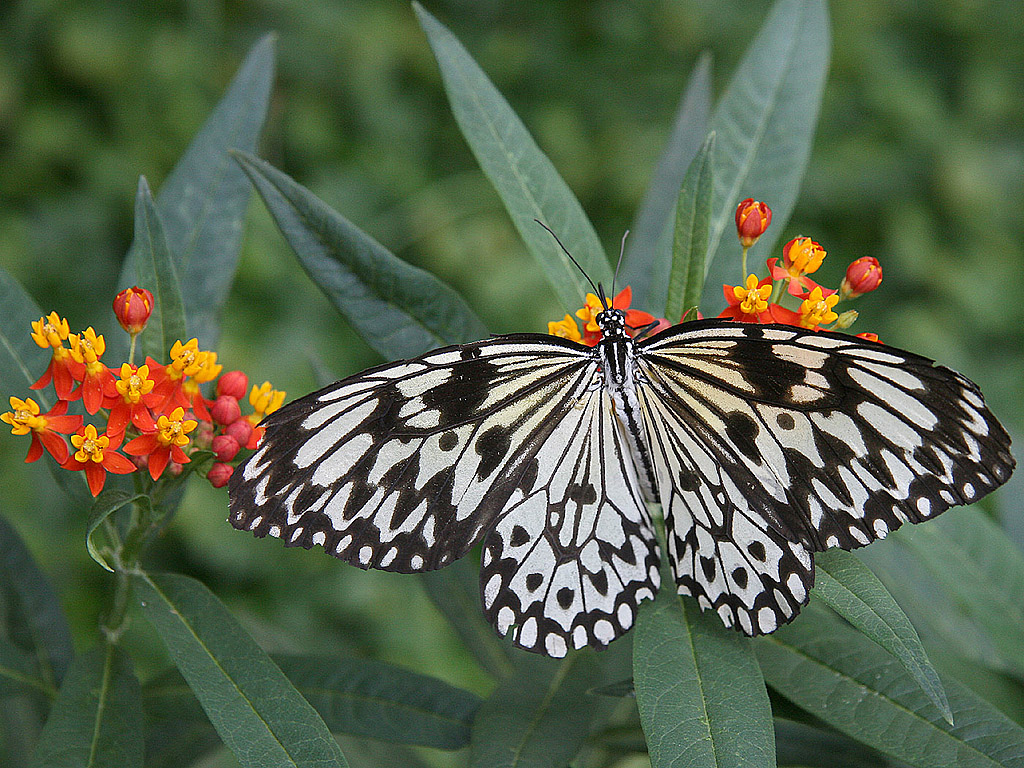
x=761, y=443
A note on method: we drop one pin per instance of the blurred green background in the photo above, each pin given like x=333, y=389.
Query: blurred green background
x=919, y=161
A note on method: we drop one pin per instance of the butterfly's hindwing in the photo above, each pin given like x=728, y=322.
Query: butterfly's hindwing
x=795, y=441
x=574, y=553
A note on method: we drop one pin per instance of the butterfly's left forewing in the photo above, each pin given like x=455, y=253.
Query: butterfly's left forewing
x=771, y=443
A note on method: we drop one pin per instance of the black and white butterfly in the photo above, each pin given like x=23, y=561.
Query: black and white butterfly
x=762, y=443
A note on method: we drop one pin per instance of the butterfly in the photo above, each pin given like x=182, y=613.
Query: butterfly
x=763, y=444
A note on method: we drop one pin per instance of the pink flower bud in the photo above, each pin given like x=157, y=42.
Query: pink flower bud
x=225, y=447
x=241, y=430
x=132, y=308
x=225, y=410
x=233, y=383
x=219, y=474
x=862, y=276
x=752, y=219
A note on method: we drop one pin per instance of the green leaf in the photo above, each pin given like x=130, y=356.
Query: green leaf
x=799, y=744
x=35, y=621
x=765, y=125
x=22, y=361
x=648, y=258
x=523, y=176
x=701, y=697
x=360, y=697
x=855, y=593
x=400, y=310
x=260, y=716
x=97, y=717
x=203, y=201
x=107, y=503
x=19, y=672
x=979, y=573
x=455, y=592
x=690, y=236
x=856, y=687
x=156, y=271
x=540, y=716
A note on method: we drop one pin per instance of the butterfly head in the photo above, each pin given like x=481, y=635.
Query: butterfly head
x=612, y=323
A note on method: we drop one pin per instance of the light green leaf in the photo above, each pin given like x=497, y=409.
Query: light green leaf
x=360, y=697
x=765, y=124
x=156, y=271
x=260, y=716
x=829, y=669
x=97, y=717
x=648, y=258
x=690, y=236
x=35, y=622
x=455, y=591
x=203, y=201
x=855, y=593
x=540, y=716
x=701, y=697
x=400, y=310
x=524, y=178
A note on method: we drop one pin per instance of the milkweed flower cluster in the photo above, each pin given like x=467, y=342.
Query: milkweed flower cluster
x=756, y=299
x=155, y=413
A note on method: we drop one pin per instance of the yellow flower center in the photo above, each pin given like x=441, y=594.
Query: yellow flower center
x=90, y=445
x=817, y=310
x=805, y=256
x=24, y=417
x=753, y=300
x=173, y=430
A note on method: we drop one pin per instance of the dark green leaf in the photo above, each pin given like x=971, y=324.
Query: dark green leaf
x=648, y=258
x=980, y=572
x=524, y=178
x=155, y=269
x=176, y=743
x=203, y=201
x=765, y=125
x=690, y=236
x=19, y=672
x=97, y=717
x=355, y=696
x=829, y=669
x=36, y=622
x=701, y=697
x=540, y=716
x=399, y=309
x=257, y=712
x=22, y=361
x=799, y=744
x=855, y=593
x=107, y=503
x=455, y=591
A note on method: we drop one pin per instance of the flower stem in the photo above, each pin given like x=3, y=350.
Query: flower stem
x=743, y=277
x=131, y=350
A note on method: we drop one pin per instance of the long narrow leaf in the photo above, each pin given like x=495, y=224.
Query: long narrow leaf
x=765, y=125
x=648, y=258
x=701, y=697
x=354, y=696
x=156, y=271
x=856, y=687
x=19, y=672
x=540, y=716
x=21, y=359
x=523, y=176
x=36, y=623
x=399, y=309
x=203, y=201
x=107, y=503
x=855, y=593
x=690, y=234
x=257, y=712
x=97, y=718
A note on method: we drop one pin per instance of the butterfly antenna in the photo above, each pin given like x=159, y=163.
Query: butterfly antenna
x=566, y=252
x=622, y=250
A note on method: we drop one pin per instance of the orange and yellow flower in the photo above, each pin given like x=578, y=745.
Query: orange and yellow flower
x=96, y=454
x=565, y=328
x=25, y=418
x=133, y=399
x=816, y=309
x=752, y=219
x=164, y=444
x=748, y=303
x=51, y=332
x=87, y=348
x=801, y=256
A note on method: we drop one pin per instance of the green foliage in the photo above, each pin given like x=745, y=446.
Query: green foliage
x=862, y=691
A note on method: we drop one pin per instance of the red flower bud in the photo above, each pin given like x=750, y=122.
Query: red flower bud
x=219, y=474
x=752, y=219
x=241, y=430
x=225, y=410
x=862, y=276
x=233, y=383
x=225, y=447
x=132, y=307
